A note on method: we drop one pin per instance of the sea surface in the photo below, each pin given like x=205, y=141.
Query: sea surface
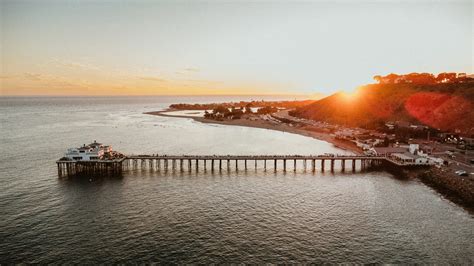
x=252, y=216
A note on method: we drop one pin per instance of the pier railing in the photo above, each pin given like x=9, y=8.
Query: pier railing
x=216, y=162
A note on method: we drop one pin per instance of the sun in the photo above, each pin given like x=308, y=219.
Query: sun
x=350, y=96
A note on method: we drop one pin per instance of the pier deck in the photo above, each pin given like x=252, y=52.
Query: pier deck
x=217, y=162
x=255, y=157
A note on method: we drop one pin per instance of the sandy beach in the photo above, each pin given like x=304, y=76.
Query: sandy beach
x=259, y=122
x=447, y=184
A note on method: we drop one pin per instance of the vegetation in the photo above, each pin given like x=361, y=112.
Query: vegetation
x=248, y=108
x=424, y=78
x=267, y=110
x=243, y=104
x=221, y=112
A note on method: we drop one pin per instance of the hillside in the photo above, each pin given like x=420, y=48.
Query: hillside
x=443, y=106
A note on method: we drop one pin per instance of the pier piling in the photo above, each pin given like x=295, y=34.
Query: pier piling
x=153, y=163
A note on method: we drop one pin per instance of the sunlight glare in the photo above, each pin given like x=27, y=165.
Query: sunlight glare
x=350, y=96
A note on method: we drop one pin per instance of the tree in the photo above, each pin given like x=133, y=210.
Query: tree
x=378, y=78
x=267, y=110
x=420, y=78
x=391, y=78
x=236, y=113
x=386, y=142
x=221, y=110
x=248, y=108
x=446, y=77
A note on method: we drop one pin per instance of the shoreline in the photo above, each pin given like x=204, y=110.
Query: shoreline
x=452, y=187
x=260, y=123
x=447, y=186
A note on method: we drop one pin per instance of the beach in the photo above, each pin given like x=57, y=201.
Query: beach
x=451, y=186
x=258, y=121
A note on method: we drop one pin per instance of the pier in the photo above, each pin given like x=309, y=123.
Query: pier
x=67, y=168
x=218, y=163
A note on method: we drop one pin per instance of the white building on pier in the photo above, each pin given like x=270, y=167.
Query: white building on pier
x=93, y=151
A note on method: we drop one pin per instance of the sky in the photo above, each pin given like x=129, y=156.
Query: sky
x=225, y=47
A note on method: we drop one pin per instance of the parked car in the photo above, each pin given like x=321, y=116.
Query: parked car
x=461, y=173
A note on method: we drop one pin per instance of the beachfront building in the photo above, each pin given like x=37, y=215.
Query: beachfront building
x=408, y=158
x=436, y=161
x=413, y=149
x=407, y=155
x=386, y=151
x=93, y=151
x=366, y=143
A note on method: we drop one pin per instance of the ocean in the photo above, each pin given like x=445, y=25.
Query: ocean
x=251, y=216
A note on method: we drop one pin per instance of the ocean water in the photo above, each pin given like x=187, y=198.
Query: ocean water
x=251, y=216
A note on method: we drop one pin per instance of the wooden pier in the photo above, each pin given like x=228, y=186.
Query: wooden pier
x=216, y=163
x=94, y=168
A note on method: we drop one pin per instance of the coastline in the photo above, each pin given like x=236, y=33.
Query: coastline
x=447, y=185
x=260, y=123
x=456, y=189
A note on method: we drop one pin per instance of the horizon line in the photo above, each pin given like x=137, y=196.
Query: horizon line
x=152, y=95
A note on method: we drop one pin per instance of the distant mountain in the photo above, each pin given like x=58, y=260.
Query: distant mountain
x=448, y=107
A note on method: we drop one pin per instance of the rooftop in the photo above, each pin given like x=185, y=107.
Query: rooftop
x=405, y=156
x=383, y=150
x=95, y=143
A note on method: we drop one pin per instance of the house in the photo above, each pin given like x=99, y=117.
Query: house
x=367, y=144
x=436, y=161
x=468, y=141
x=418, y=127
x=385, y=151
x=408, y=158
x=93, y=151
x=390, y=125
x=348, y=134
x=402, y=124
x=414, y=148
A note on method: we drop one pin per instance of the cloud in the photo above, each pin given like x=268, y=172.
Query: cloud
x=76, y=65
x=53, y=81
x=188, y=70
x=200, y=81
x=154, y=79
x=32, y=76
